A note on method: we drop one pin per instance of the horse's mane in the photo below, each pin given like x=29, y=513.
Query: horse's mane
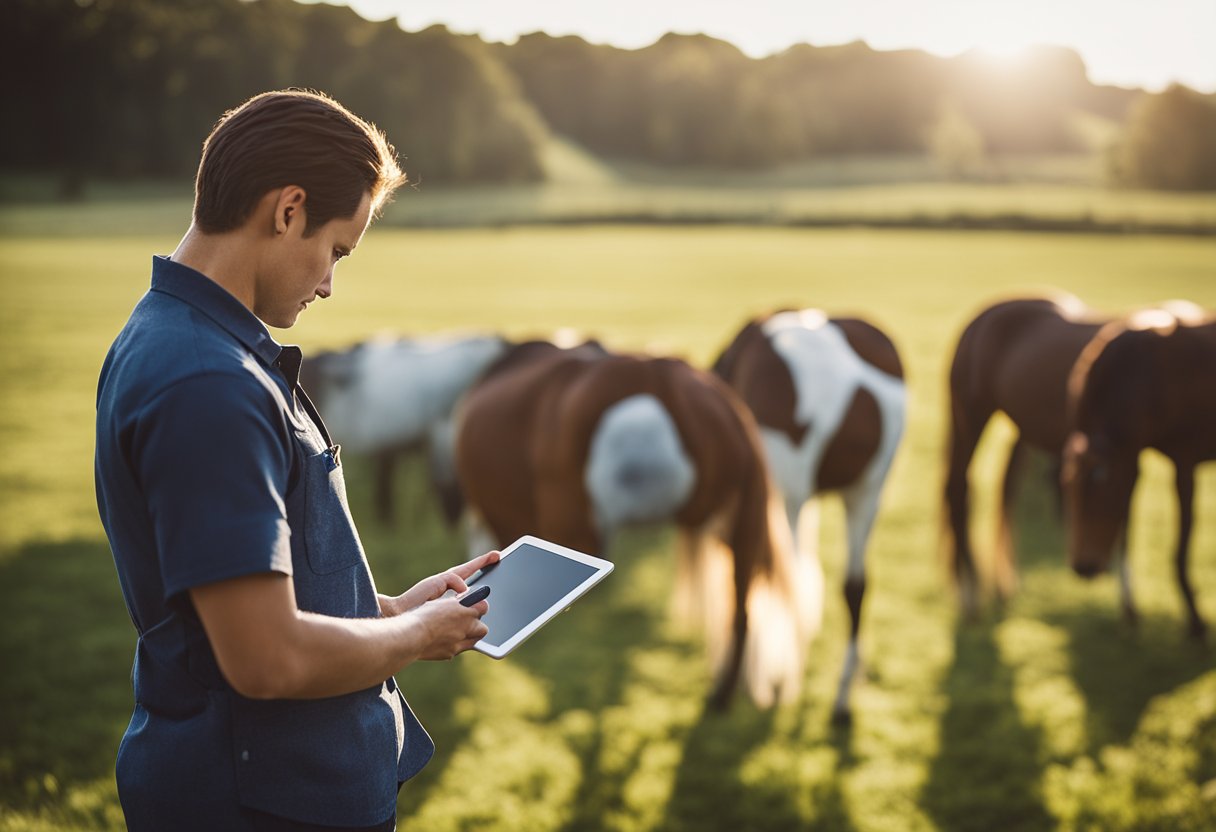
x=1102, y=379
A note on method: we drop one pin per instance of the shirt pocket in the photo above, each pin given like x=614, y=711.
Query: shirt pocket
x=331, y=542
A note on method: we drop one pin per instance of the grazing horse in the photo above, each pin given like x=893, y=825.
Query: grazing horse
x=1148, y=381
x=829, y=398
x=1015, y=357
x=388, y=396
x=573, y=444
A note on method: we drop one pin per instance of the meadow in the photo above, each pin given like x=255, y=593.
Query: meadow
x=1047, y=714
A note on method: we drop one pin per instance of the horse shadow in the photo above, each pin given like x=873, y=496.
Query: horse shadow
x=710, y=792
x=986, y=773
x=1149, y=658
x=1119, y=669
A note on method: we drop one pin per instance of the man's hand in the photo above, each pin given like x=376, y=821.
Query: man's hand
x=429, y=589
x=452, y=627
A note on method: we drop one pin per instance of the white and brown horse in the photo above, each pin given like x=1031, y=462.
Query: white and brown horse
x=573, y=444
x=1148, y=381
x=1015, y=357
x=388, y=396
x=829, y=398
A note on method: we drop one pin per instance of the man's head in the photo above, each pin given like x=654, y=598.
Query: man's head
x=292, y=137
x=301, y=176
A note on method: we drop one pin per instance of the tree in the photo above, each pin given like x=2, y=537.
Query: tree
x=1169, y=142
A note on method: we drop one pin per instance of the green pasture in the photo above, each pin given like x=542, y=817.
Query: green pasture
x=1049, y=714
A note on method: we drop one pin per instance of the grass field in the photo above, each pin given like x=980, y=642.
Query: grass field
x=1050, y=714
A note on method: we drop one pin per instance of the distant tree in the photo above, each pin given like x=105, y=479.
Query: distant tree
x=1169, y=142
x=955, y=143
x=121, y=88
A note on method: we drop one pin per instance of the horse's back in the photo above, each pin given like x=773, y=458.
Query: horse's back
x=872, y=345
x=495, y=436
x=1016, y=356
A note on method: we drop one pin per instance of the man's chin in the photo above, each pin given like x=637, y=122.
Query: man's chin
x=283, y=321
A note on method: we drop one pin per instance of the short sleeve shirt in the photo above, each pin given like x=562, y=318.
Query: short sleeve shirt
x=212, y=464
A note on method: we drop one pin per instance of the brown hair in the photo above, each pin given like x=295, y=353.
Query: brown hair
x=292, y=137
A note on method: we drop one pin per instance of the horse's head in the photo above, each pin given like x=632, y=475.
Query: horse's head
x=1098, y=477
x=1118, y=391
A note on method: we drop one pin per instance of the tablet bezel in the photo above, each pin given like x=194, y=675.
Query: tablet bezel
x=602, y=570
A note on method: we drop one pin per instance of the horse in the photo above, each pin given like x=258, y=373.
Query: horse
x=1147, y=381
x=575, y=444
x=388, y=396
x=829, y=397
x=1014, y=356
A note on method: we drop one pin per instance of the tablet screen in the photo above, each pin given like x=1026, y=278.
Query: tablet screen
x=533, y=580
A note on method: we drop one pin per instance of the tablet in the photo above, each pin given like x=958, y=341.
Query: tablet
x=534, y=581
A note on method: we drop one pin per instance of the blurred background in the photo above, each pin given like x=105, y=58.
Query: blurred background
x=652, y=174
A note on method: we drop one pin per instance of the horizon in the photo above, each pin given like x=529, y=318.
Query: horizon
x=1135, y=46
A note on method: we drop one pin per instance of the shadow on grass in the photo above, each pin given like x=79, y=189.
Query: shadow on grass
x=986, y=773
x=709, y=792
x=66, y=648
x=586, y=659
x=1119, y=669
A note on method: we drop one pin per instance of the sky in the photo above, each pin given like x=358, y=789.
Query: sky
x=1131, y=43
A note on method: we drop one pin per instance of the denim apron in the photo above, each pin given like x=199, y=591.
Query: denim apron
x=335, y=761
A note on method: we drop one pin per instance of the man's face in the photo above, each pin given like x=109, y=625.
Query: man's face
x=299, y=269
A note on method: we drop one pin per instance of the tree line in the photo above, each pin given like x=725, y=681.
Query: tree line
x=120, y=88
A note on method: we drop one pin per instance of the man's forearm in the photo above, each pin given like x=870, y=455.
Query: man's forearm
x=331, y=656
x=268, y=648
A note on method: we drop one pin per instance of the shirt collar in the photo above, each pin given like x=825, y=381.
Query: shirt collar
x=218, y=304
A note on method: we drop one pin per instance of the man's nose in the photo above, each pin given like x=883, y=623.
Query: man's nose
x=327, y=286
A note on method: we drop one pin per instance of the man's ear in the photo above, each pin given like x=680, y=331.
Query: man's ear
x=289, y=210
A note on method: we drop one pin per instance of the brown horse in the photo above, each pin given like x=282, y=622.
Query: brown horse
x=829, y=397
x=574, y=444
x=1148, y=381
x=1014, y=357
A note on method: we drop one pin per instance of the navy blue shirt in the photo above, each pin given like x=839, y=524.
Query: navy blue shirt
x=212, y=464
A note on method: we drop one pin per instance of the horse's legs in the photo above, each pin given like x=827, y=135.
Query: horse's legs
x=965, y=430
x=795, y=510
x=806, y=528
x=861, y=507
x=1006, y=566
x=1184, y=478
x=478, y=537
x=1126, y=599
x=385, y=466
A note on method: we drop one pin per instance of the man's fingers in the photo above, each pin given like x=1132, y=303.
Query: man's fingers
x=454, y=582
x=467, y=569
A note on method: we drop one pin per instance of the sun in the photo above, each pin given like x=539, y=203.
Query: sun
x=1003, y=39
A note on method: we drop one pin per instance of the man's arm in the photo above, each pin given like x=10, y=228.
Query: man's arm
x=267, y=648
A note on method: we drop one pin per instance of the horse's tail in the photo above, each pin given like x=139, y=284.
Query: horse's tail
x=783, y=606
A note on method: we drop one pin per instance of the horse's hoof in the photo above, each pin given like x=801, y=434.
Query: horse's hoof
x=1198, y=631
x=842, y=717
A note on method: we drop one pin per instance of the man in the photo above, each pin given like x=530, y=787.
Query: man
x=264, y=697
